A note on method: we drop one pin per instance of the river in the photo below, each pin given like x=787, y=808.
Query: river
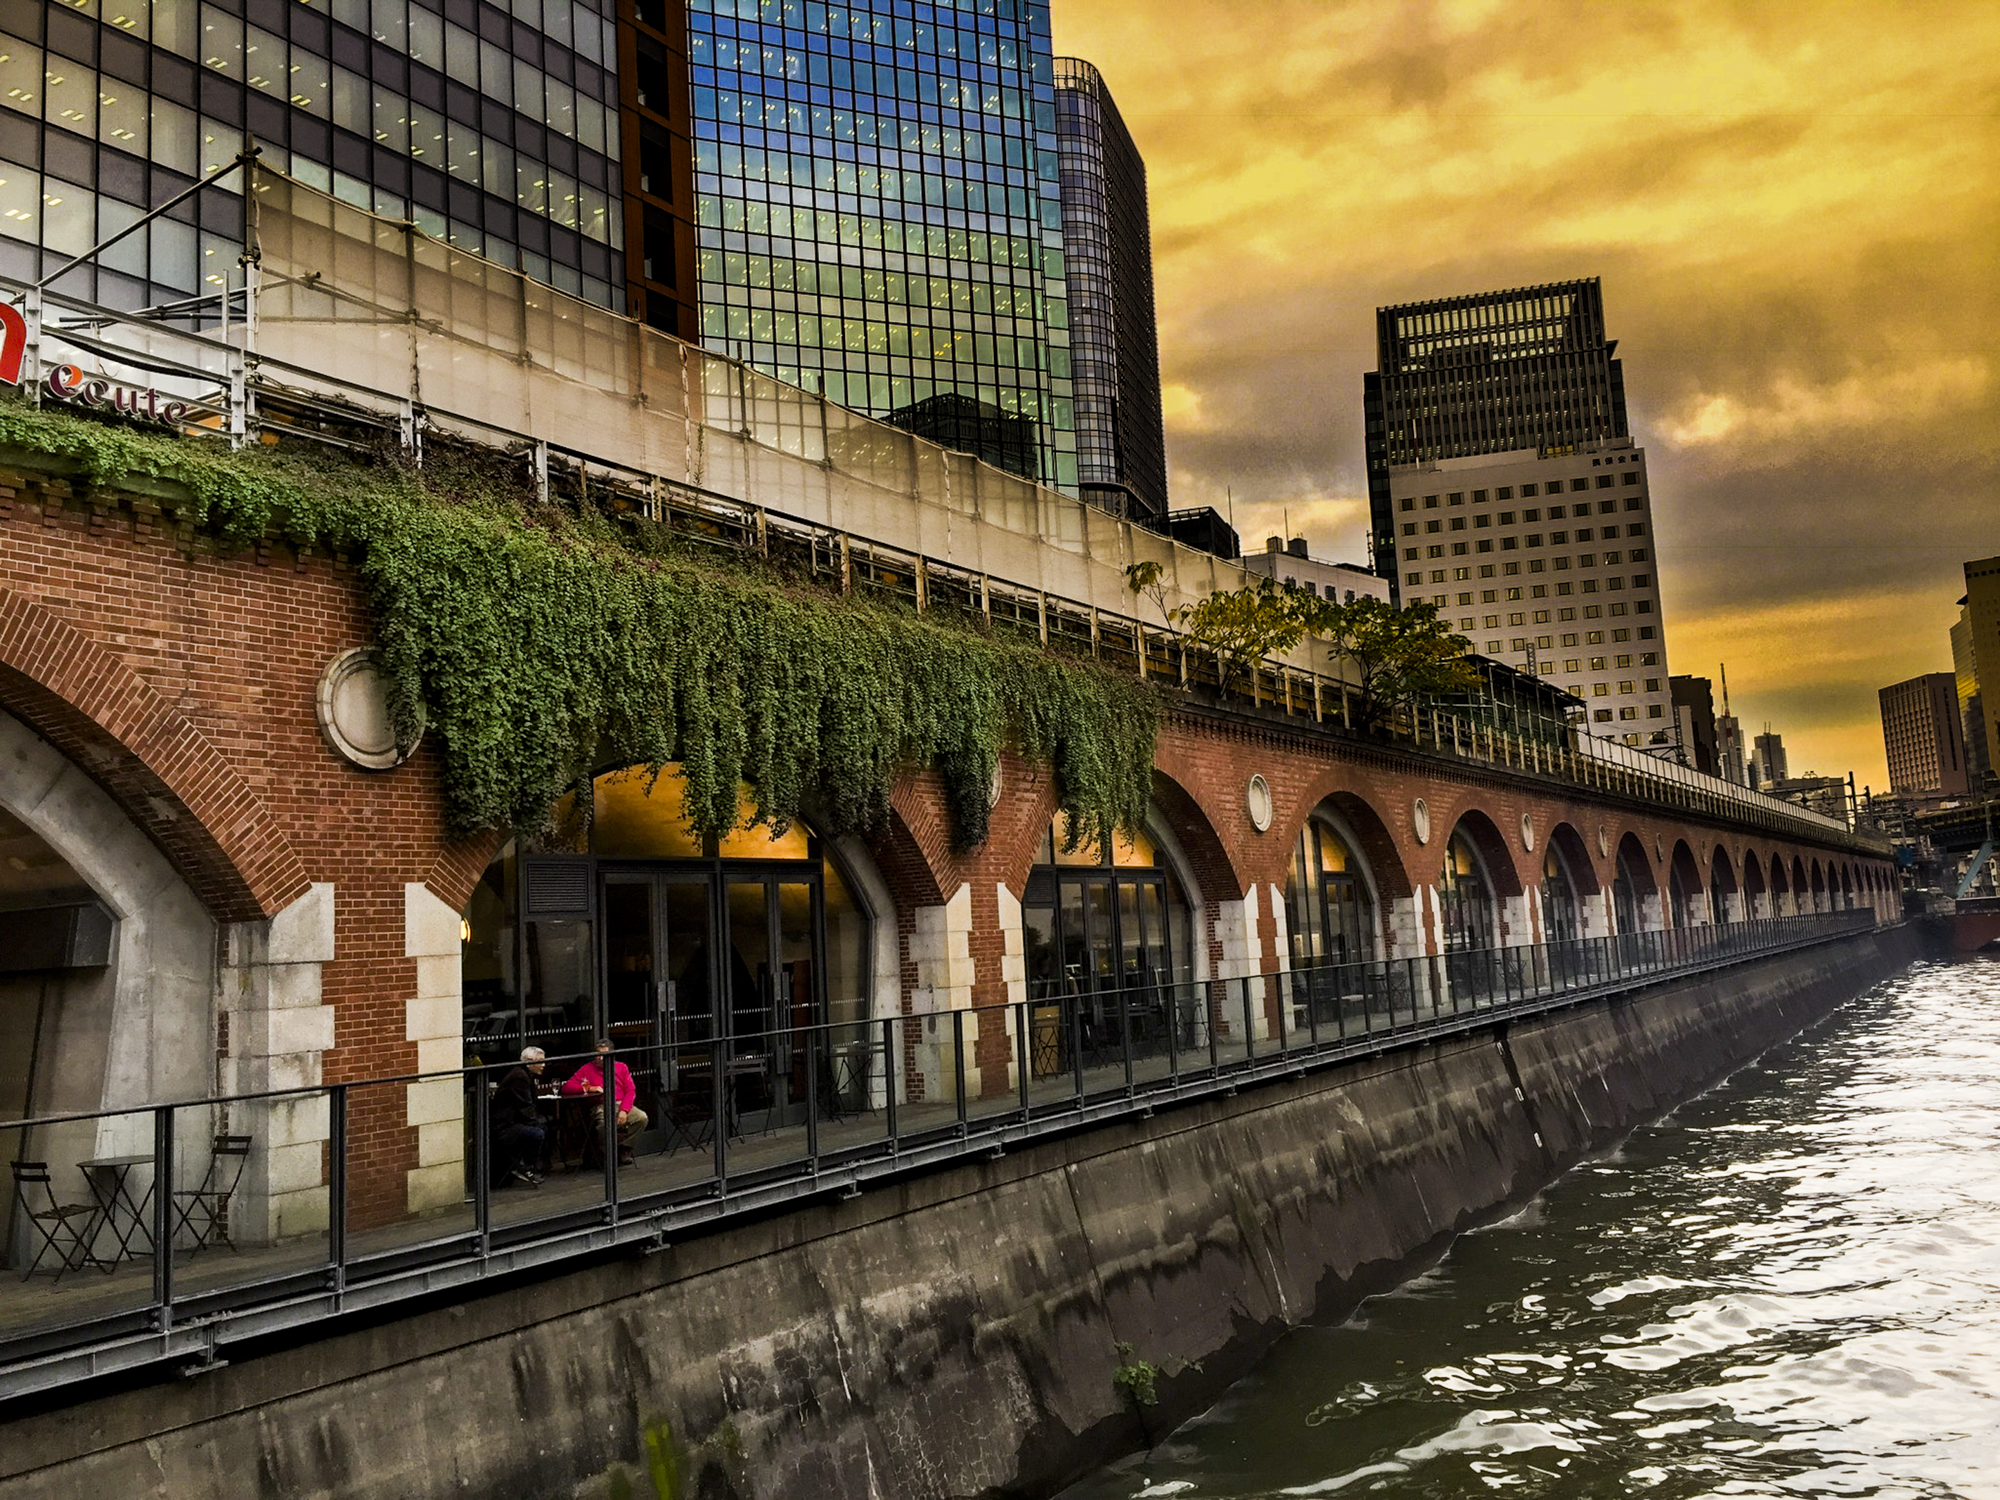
x=1789, y=1287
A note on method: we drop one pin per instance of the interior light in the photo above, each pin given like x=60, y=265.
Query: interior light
x=465, y=929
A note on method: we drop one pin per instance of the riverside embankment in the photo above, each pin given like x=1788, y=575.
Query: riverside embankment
x=959, y=1334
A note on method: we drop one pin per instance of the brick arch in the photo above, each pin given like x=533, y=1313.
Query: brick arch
x=1637, y=858
x=166, y=775
x=1209, y=859
x=1569, y=842
x=1494, y=850
x=1720, y=859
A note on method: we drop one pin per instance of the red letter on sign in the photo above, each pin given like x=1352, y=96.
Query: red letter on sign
x=13, y=342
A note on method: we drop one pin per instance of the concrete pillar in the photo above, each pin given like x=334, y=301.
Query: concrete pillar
x=940, y=947
x=434, y=1019
x=1239, y=929
x=278, y=1031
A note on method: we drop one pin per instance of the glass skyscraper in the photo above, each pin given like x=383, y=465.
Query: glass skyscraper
x=877, y=209
x=495, y=126
x=1115, y=350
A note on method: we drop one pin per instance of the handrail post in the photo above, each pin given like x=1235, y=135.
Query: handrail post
x=1125, y=1034
x=163, y=1216
x=336, y=1188
x=1024, y=1017
x=892, y=1067
x=482, y=1158
x=958, y=1065
x=814, y=1037
x=1249, y=1026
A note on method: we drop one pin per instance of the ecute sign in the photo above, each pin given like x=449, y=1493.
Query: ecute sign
x=68, y=383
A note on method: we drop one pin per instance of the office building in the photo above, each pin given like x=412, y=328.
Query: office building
x=1924, y=737
x=1205, y=529
x=498, y=134
x=1290, y=563
x=877, y=209
x=1121, y=446
x=1545, y=562
x=1694, y=722
x=1730, y=761
x=1491, y=373
x=1767, y=761
x=1975, y=660
x=862, y=200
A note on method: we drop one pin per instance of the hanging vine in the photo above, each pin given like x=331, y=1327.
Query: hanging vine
x=543, y=643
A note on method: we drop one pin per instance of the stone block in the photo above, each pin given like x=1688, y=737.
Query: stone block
x=440, y=1054
x=276, y=1033
x=292, y=986
x=440, y=978
x=441, y=1186
x=440, y=1141
x=291, y=1169
x=424, y=1019
x=434, y=1099
x=430, y=928
x=297, y=1215
x=303, y=932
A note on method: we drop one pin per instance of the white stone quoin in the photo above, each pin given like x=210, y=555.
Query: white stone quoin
x=433, y=1019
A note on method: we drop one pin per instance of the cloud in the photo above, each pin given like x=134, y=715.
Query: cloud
x=1793, y=209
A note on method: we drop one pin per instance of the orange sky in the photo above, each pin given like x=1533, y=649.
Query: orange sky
x=1795, y=210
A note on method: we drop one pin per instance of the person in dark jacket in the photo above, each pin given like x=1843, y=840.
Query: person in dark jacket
x=519, y=1134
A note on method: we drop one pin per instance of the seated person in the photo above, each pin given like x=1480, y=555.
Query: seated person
x=589, y=1079
x=518, y=1133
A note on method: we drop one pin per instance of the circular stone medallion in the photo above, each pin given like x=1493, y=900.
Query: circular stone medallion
x=354, y=712
x=1257, y=798
x=1420, y=820
x=1528, y=832
x=1603, y=842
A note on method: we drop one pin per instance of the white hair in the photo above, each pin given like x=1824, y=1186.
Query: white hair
x=532, y=1054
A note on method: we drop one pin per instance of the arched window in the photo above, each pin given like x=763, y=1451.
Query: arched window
x=1106, y=915
x=1630, y=887
x=1562, y=913
x=1465, y=898
x=678, y=948
x=1328, y=910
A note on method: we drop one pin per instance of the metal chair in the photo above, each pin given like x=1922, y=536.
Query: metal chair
x=55, y=1221
x=210, y=1199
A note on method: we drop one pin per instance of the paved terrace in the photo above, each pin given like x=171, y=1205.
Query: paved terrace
x=150, y=1290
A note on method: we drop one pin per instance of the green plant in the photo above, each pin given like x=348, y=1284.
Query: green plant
x=1398, y=656
x=1136, y=1377
x=543, y=643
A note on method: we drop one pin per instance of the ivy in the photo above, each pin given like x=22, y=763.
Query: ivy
x=541, y=644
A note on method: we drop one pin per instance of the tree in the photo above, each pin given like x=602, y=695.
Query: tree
x=1398, y=655
x=1240, y=627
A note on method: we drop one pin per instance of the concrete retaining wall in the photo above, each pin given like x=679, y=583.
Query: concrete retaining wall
x=957, y=1335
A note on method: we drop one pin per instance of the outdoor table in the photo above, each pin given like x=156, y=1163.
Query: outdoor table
x=109, y=1177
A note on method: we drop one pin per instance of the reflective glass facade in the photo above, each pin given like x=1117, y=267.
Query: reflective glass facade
x=1114, y=343
x=877, y=204
x=495, y=126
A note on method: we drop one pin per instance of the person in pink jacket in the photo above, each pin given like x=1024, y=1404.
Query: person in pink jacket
x=589, y=1079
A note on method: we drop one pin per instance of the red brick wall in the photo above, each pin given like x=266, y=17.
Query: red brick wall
x=184, y=680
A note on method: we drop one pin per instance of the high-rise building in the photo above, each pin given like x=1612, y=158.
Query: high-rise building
x=877, y=206
x=1545, y=561
x=1121, y=447
x=1923, y=735
x=1730, y=763
x=497, y=130
x=1694, y=722
x=1975, y=659
x=1493, y=372
x=1768, y=766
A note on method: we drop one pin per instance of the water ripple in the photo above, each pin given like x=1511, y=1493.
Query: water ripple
x=1790, y=1287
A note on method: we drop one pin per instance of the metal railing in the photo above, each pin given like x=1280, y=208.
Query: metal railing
x=170, y=1231
x=242, y=397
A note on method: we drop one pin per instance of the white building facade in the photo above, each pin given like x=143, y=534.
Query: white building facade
x=1545, y=560
x=1342, y=583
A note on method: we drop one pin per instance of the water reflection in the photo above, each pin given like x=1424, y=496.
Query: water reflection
x=1791, y=1287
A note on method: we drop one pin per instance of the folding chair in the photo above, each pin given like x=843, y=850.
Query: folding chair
x=56, y=1221
x=210, y=1200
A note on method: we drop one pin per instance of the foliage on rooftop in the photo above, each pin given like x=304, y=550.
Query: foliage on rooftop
x=543, y=642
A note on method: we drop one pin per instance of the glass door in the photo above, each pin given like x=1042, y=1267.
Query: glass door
x=775, y=993
x=659, y=984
